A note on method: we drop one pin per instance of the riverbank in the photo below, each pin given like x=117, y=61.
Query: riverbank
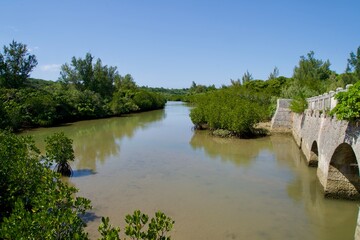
x=271, y=131
x=149, y=161
x=261, y=129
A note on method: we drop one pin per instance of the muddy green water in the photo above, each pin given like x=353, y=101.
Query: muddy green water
x=213, y=188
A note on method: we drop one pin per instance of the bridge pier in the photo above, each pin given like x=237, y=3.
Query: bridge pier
x=331, y=145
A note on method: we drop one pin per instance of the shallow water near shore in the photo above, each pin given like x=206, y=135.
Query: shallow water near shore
x=213, y=188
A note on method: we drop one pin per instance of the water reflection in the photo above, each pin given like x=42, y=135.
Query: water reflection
x=305, y=189
x=95, y=141
x=213, y=188
x=237, y=151
x=82, y=172
x=323, y=218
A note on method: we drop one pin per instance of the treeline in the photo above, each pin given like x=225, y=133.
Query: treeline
x=172, y=94
x=86, y=89
x=181, y=94
x=246, y=102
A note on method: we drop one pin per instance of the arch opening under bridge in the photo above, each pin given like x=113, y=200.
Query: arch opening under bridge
x=343, y=179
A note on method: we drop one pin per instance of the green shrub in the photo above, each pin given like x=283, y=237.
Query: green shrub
x=235, y=109
x=299, y=104
x=34, y=202
x=348, y=106
x=59, y=149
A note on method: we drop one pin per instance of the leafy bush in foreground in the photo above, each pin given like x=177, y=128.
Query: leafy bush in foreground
x=156, y=229
x=36, y=204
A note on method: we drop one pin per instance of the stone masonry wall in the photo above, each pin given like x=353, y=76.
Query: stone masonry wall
x=282, y=119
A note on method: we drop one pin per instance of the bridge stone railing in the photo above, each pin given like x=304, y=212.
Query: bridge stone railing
x=326, y=101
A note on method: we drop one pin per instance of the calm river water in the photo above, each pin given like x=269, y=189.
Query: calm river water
x=213, y=188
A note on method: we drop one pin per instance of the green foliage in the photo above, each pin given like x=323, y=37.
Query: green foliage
x=173, y=94
x=122, y=102
x=354, y=63
x=295, y=89
x=247, y=77
x=274, y=74
x=4, y=119
x=125, y=83
x=348, y=106
x=34, y=202
x=86, y=75
x=299, y=104
x=147, y=100
x=57, y=103
x=59, y=150
x=198, y=88
x=39, y=108
x=16, y=63
x=125, y=101
x=310, y=77
x=235, y=109
x=138, y=227
x=107, y=231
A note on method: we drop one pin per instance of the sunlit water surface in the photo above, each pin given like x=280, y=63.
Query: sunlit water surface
x=213, y=188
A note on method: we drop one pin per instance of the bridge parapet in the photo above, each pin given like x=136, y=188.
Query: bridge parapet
x=326, y=101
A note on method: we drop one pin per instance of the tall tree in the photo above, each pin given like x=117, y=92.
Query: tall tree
x=79, y=72
x=354, y=63
x=236, y=82
x=274, y=74
x=16, y=63
x=125, y=83
x=312, y=72
x=247, y=77
x=86, y=75
x=311, y=68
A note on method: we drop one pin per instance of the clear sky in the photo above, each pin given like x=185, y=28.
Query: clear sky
x=172, y=43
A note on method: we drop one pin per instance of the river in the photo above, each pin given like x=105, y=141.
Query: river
x=213, y=188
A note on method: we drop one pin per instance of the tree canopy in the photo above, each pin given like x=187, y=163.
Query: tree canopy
x=86, y=75
x=16, y=63
x=354, y=63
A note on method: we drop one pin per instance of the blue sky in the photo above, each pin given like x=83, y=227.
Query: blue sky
x=172, y=43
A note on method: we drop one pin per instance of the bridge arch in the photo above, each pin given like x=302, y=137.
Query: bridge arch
x=343, y=179
x=314, y=155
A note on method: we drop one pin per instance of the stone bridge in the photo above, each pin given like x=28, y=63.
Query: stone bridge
x=331, y=145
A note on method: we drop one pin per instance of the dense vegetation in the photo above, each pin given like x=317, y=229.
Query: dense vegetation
x=240, y=106
x=36, y=204
x=235, y=109
x=86, y=89
x=172, y=94
x=348, y=106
